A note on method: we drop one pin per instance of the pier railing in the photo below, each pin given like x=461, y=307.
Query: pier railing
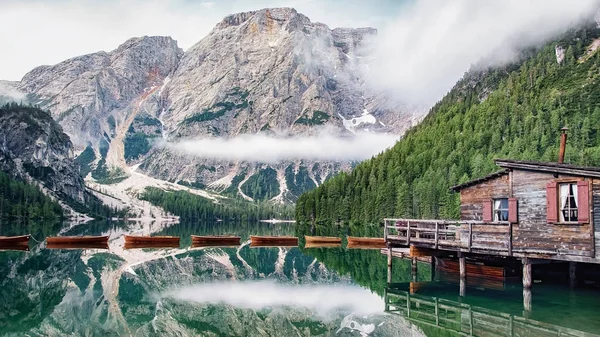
x=450, y=234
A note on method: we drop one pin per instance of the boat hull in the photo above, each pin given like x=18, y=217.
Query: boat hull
x=322, y=245
x=322, y=239
x=77, y=245
x=13, y=240
x=167, y=240
x=215, y=241
x=365, y=243
x=77, y=240
x=273, y=241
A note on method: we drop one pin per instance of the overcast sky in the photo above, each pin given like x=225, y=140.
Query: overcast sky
x=423, y=46
x=37, y=32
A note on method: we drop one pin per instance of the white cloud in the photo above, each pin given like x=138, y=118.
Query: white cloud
x=47, y=32
x=270, y=149
x=428, y=47
x=322, y=299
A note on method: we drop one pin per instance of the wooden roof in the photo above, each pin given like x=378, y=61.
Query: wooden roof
x=480, y=180
x=552, y=167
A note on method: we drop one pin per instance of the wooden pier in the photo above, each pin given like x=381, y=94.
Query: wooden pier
x=530, y=212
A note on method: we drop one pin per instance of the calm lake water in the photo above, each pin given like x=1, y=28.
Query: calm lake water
x=259, y=291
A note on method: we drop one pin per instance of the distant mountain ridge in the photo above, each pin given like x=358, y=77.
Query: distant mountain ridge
x=269, y=71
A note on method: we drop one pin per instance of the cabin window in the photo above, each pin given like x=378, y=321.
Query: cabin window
x=568, y=202
x=501, y=209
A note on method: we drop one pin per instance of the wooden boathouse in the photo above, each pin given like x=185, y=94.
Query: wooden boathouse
x=533, y=211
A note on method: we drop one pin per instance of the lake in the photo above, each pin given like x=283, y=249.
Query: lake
x=271, y=291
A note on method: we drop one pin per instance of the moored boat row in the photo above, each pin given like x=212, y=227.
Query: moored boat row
x=134, y=242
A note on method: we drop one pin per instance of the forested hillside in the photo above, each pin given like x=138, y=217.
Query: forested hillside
x=22, y=201
x=515, y=111
x=194, y=207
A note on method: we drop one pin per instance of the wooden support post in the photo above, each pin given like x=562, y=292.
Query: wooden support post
x=470, y=236
x=414, y=269
x=463, y=274
x=527, y=302
x=437, y=312
x=526, y=273
x=463, y=266
x=385, y=230
x=433, y=263
x=572, y=274
x=510, y=238
x=386, y=300
x=389, y=262
x=408, y=233
x=437, y=229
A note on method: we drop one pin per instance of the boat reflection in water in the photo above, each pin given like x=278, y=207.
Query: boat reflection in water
x=273, y=241
x=436, y=308
x=365, y=243
x=215, y=241
x=77, y=245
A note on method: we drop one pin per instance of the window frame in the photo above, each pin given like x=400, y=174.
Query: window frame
x=495, y=210
x=560, y=209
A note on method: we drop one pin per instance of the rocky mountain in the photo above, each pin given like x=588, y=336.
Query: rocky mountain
x=34, y=148
x=270, y=71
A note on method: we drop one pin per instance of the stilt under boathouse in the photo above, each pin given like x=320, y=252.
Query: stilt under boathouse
x=531, y=213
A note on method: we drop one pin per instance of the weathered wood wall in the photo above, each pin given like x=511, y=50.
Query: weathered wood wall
x=472, y=197
x=533, y=232
x=596, y=214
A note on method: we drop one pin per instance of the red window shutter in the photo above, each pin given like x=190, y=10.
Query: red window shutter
x=551, y=202
x=487, y=211
x=583, y=201
x=512, y=210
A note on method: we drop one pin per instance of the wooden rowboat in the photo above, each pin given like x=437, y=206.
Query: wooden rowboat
x=273, y=241
x=77, y=239
x=173, y=240
x=365, y=243
x=322, y=239
x=12, y=240
x=215, y=241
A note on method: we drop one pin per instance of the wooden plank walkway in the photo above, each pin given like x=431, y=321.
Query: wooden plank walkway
x=495, y=239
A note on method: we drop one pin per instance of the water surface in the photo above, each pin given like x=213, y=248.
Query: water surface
x=244, y=291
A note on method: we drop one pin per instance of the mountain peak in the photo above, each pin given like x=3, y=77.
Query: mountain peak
x=148, y=41
x=277, y=14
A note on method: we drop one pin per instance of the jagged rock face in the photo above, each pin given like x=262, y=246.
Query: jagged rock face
x=271, y=71
x=33, y=146
x=93, y=94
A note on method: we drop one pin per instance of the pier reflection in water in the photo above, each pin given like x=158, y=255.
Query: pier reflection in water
x=438, y=309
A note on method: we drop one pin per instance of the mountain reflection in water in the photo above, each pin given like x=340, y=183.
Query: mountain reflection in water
x=236, y=291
